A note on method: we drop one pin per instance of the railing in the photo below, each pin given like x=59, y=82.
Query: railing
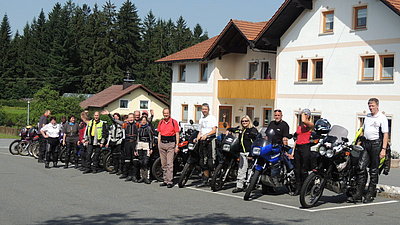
x=250, y=89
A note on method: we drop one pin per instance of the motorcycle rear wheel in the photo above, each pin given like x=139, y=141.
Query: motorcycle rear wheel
x=312, y=190
x=156, y=170
x=185, y=175
x=218, y=180
x=14, y=147
x=252, y=185
x=23, y=148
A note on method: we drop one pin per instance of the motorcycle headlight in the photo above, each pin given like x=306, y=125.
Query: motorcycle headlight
x=191, y=146
x=330, y=153
x=256, y=151
x=226, y=148
x=322, y=150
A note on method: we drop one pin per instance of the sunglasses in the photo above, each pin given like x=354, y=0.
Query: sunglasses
x=243, y=121
x=277, y=110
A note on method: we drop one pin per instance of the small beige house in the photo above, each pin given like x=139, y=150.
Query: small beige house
x=125, y=99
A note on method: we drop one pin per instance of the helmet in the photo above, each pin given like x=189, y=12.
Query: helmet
x=322, y=126
x=28, y=127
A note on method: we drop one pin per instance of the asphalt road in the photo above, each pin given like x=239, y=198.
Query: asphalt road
x=31, y=194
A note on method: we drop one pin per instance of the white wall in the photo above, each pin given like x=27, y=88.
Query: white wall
x=340, y=96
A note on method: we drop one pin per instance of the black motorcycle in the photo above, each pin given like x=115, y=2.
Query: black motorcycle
x=336, y=168
x=229, y=150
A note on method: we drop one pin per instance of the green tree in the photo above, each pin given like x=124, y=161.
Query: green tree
x=5, y=42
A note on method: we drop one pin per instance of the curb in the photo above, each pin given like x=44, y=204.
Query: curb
x=388, y=191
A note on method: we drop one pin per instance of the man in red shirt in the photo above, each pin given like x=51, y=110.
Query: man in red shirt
x=168, y=139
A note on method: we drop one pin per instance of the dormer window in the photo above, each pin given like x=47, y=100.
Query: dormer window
x=360, y=17
x=328, y=18
x=182, y=72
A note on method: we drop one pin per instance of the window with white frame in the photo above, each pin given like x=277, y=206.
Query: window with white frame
x=387, y=67
x=253, y=70
x=123, y=104
x=185, y=111
x=315, y=116
x=377, y=67
x=182, y=73
x=266, y=117
x=368, y=67
x=203, y=71
x=198, y=113
x=144, y=104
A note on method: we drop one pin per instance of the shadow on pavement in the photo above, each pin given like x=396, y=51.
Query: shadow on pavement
x=134, y=218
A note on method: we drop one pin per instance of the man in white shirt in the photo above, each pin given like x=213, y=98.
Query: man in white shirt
x=376, y=134
x=208, y=129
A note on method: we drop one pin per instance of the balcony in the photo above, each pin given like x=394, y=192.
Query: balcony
x=250, y=89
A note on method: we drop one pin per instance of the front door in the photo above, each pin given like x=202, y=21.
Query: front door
x=225, y=115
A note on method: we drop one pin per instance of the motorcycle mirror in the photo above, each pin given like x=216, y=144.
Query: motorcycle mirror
x=290, y=136
x=345, y=139
x=225, y=125
x=358, y=148
x=256, y=123
x=191, y=122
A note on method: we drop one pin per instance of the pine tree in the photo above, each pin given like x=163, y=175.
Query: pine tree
x=5, y=42
x=183, y=35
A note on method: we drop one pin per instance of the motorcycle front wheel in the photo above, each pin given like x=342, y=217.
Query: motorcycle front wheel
x=14, y=147
x=156, y=170
x=252, y=185
x=185, y=175
x=35, y=150
x=312, y=190
x=218, y=178
x=108, y=162
x=23, y=148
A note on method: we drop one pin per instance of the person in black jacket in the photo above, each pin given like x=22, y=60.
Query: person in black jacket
x=247, y=134
x=71, y=139
x=144, y=149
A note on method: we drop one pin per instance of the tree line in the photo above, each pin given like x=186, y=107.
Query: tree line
x=83, y=49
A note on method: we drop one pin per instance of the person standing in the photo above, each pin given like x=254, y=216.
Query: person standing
x=301, y=149
x=71, y=139
x=51, y=132
x=247, y=134
x=208, y=129
x=42, y=141
x=376, y=135
x=82, y=144
x=114, y=141
x=168, y=139
x=280, y=127
x=95, y=137
x=144, y=149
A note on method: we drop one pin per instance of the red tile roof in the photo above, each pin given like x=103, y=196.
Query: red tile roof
x=393, y=4
x=199, y=51
x=112, y=94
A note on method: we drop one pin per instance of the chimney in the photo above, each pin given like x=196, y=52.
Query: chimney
x=127, y=82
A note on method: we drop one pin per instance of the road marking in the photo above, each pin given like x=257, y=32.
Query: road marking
x=294, y=207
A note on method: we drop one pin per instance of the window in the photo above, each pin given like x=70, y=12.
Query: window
x=368, y=67
x=387, y=66
x=267, y=116
x=185, y=109
x=182, y=72
x=303, y=70
x=203, y=72
x=123, y=104
x=265, y=71
x=144, y=104
x=328, y=21
x=317, y=69
x=360, y=17
x=252, y=70
x=197, y=113
x=250, y=112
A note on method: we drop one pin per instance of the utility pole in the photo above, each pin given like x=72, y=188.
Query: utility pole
x=27, y=119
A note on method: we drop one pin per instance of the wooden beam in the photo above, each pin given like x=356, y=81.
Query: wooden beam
x=271, y=41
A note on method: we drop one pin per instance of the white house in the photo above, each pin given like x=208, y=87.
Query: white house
x=226, y=73
x=335, y=55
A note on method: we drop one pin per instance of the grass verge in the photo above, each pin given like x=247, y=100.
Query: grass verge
x=6, y=136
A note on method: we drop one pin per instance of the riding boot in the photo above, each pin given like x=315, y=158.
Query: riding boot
x=145, y=176
x=204, y=182
x=371, y=194
x=55, y=164
x=66, y=165
x=47, y=165
x=142, y=176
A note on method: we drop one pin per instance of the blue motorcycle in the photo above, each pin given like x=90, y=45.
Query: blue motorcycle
x=272, y=167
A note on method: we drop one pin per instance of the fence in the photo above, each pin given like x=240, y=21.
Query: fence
x=9, y=130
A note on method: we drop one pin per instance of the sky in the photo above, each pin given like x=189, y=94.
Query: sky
x=212, y=15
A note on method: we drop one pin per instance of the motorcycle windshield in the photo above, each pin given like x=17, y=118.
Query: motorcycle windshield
x=262, y=142
x=337, y=133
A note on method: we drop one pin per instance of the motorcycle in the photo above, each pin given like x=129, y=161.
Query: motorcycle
x=180, y=158
x=336, y=168
x=29, y=139
x=271, y=168
x=229, y=149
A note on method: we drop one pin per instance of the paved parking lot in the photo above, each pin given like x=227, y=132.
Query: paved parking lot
x=32, y=194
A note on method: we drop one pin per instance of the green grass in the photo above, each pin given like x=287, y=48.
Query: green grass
x=15, y=110
x=6, y=136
